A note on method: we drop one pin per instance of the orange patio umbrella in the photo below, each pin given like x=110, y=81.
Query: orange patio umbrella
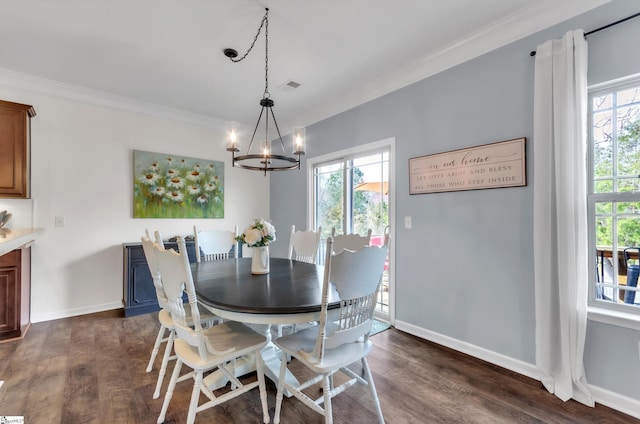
x=378, y=187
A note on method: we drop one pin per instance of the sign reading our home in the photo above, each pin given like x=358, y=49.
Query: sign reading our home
x=494, y=165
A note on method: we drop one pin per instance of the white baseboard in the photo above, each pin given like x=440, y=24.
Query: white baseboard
x=616, y=401
x=605, y=397
x=75, y=312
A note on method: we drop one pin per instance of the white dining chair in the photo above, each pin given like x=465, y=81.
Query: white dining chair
x=341, y=339
x=215, y=244
x=303, y=245
x=351, y=241
x=204, y=349
x=166, y=333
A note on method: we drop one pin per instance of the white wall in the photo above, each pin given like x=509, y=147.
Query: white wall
x=82, y=169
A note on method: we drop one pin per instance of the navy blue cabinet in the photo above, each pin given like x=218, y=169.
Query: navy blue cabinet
x=139, y=292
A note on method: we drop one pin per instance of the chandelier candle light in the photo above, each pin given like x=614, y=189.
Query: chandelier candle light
x=266, y=159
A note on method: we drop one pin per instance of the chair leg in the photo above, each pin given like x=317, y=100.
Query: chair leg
x=156, y=347
x=328, y=411
x=195, y=397
x=165, y=360
x=372, y=389
x=169, y=394
x=262, y=388
x=280, y=393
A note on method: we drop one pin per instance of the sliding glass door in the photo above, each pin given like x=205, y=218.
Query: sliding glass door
x=351, y=195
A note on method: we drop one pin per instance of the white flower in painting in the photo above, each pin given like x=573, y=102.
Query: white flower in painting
x=159, y=191
x=150, y=178
x=210, y=186
x=154, y=167
x=183, y=162
x=211, y=167
x=175, y=196
x=202, y=199
x=170, y=161
x=172, y=172
x=194, y=175
x=193, y=189
x=176, y=182
x=197, y=166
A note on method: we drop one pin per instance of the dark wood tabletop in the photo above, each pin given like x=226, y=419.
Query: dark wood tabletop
x=291, y=287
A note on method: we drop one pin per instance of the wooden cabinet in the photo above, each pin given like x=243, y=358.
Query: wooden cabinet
x=15, y=155
x=15, y=295
x=139, y=292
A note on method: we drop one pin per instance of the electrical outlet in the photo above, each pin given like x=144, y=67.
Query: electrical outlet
x=59, y=221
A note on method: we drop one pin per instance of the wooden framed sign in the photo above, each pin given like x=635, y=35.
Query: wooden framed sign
x=495, y=165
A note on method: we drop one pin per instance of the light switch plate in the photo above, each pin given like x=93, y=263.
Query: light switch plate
x=59, y=221
x=407, y=222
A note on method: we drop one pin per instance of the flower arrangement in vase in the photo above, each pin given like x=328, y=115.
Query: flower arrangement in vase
x=259, y=235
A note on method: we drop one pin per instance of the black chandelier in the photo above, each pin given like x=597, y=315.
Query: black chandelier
x=265, y=160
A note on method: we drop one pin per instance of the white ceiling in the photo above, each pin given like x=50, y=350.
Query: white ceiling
x=342, y=52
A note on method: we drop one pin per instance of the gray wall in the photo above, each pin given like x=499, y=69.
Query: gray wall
x=465, y=270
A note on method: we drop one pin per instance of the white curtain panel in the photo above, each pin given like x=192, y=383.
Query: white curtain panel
x=560, y=215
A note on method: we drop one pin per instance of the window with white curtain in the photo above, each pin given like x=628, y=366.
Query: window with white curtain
x=614, y=194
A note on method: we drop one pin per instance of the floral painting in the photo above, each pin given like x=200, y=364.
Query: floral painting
x=168, y=186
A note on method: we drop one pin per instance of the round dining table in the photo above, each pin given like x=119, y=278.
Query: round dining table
x=291, y=293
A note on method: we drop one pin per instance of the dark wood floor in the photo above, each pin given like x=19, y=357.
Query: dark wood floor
x=91, y=369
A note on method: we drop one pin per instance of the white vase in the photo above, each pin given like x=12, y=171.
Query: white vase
x=260, y=260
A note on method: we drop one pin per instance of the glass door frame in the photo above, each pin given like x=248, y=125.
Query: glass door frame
x=386, y=144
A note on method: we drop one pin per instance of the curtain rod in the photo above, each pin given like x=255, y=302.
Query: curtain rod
x=533, y=53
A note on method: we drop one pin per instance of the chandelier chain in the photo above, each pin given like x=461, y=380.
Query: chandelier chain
x=262, y=24
x=266, y=56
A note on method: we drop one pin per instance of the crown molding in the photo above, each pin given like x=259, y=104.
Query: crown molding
x=32, y=83
x=543, y=14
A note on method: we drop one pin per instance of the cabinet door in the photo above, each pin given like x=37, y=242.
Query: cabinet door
x=140, y=293
x=14, y=149
x=9, y=295
x=143, y=292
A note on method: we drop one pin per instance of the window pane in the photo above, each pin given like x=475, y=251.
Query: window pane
x=603, y=208
x=628, y=236
x=604, y=231
x=329, y=197
x=602, y=102
x=628, y=231
x=628, y=184
x=628, y=208
x=603, y=186
x=602, y=145
x=629, y=146
x=371, y=197
x=625, y=97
